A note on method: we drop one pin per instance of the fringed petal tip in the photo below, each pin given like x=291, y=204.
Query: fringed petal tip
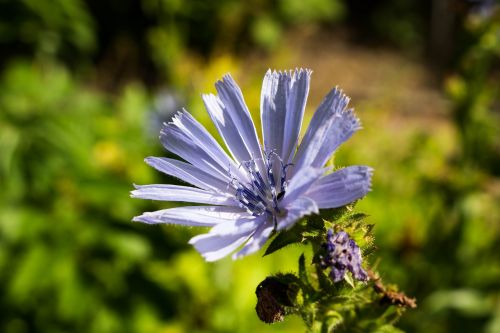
x=351, y=122
x=292, y=73
x=364, y=179
x=175, y=120
x=369, y=175
x=227, y=81
x=339, y=105
x=366, y=174
x=339, y=95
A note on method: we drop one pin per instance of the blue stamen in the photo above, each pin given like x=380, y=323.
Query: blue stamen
x=259, y=196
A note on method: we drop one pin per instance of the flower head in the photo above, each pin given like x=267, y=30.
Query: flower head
x=257, y=189
x=342, y=254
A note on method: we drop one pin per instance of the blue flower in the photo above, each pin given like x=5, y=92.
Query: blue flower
x=342, y=254
x=258, y=189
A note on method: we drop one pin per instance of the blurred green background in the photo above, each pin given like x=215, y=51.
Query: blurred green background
x=86, y=84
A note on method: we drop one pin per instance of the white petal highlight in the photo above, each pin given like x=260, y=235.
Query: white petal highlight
x=205, y=216
x=182, y=193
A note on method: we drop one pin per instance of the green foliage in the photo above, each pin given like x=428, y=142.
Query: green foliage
x=47, y=28
x=474, y=92
x=64, y=217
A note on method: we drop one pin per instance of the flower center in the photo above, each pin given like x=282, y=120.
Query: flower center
x=263, y=193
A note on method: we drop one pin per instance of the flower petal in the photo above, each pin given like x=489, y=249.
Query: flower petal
x=206, y=216
x=187, y=172
x=182, y=193
x=231, y=96
x=283, y=101
x=185, y=137
x=300, y=183
x=274, y=95
x=257, y=240
x=342, y=128
x=239, y=226
x=341, y=187
x=330, y=126
x=296, y=104
x=300, y=207
x=232, y=137
x=214, y=247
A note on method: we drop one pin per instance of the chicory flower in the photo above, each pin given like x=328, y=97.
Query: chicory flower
x=256, y=189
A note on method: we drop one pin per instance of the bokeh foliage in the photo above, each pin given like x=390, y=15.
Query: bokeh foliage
x=80, y=105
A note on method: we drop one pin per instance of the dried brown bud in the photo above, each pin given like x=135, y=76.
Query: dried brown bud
x=273, y=295
x=268, y=309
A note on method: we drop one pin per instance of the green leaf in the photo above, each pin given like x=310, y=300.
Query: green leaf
x=283, y=239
